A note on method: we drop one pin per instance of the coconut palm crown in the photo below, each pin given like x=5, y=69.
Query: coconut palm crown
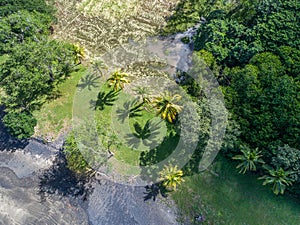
x=171, y=177
x=249, y=159
x=118, y=80
x=166, y=106
x=278, y=178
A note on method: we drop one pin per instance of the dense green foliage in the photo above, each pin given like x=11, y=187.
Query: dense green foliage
x=11, y=6
x=34, y=64
x=75, y=160
x=21, y=27
x=20, y=124
x=234, y=39
x=40, y=65
x=265, y=102
x=289, y=159
x=256, y=58
x=230, y=41
x=189, y=12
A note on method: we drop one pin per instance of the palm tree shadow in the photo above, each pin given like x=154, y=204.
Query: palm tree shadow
x=53, y=95
x=147, y=135
x=90, y=81
x=104, y=99
x=142, y=132
x=130, y=109
x=98, y=66
x=149, y=158
x=152, y=191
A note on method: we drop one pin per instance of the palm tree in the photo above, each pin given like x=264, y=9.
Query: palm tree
x=249, y=160
x=117, y=80
x=278, y=178
x=166, y=106
x=79, y=53
x=171, y=176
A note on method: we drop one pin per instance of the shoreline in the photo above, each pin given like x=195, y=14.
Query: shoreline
x=100, y=201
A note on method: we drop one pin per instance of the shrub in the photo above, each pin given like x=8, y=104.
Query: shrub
x=20, y=124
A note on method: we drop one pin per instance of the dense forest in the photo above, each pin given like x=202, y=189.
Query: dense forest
x=32, y=64
x=252, y=47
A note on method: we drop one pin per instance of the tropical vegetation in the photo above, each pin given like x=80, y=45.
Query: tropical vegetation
x=166, y=106
x=171, y=177
x=258, y=69
x=249, y=160
x=75, y=160
x=34, y=63
x=278, y=178
x=118, y=80
x=252, y=50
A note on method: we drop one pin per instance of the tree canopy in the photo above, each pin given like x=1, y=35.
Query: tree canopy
x=34, y=64
x=8, y=7
x=253, y=50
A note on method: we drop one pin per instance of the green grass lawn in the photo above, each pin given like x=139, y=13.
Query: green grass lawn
x=143, y=139
x=105, y=129
x=233, y=198
x=112, y=119
x=55, y=116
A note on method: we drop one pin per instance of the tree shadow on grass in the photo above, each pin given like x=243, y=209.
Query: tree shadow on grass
x=90, y=81
x=149, y=159
x=55, y=94
x=105, y=99
x=147, y=135
x=142, y=132
x=130, y=109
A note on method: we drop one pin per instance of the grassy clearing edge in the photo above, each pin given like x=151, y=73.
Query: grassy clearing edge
x=55, y=115
x=232, y=198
